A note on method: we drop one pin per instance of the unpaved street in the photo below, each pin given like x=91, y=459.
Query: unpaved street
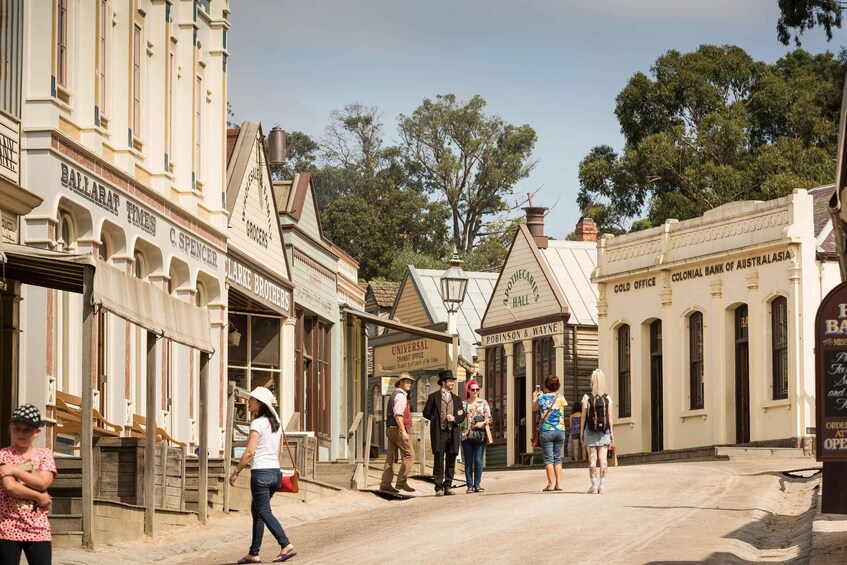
x=716, y=512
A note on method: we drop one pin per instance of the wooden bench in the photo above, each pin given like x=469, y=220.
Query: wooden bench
x=139, y=429
x=69, y=421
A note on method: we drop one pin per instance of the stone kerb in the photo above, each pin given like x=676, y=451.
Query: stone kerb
x=728, y=228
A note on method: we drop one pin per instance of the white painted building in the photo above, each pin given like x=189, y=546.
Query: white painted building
x=123, y=138
x=706, y=333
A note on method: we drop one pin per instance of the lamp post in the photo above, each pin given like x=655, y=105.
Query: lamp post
x=454, y=285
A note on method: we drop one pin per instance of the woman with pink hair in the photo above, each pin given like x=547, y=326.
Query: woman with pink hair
x=474, y=437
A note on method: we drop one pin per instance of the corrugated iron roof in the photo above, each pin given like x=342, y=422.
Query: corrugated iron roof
x=572, y=263
x=469, y=317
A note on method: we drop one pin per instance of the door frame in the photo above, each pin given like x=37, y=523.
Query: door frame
x=657, y=430
x=741, y=334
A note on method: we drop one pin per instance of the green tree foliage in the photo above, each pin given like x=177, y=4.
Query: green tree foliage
x=798, y=16
x=714, y=126
x=469, y=159
x=368, y=207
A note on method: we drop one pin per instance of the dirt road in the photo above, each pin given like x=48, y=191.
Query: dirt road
x=716, y=512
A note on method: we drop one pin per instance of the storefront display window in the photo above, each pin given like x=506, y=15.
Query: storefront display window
x=544, y=356
x=313, y=349
x=254, y=352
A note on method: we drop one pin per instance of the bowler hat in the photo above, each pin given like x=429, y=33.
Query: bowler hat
x=445, y=375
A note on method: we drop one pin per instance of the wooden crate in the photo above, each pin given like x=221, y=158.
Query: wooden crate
x=119, y=466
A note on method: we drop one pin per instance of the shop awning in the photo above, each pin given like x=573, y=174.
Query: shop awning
x=399, y=326
x=129, y=298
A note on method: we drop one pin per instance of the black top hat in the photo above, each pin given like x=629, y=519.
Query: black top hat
x=445, y=375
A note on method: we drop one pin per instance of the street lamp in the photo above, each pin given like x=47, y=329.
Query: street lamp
x=454, y=285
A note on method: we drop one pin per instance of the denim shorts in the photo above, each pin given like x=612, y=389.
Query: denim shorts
x=552, y=442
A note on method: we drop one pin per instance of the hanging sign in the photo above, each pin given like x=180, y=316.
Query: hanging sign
x=831, y=376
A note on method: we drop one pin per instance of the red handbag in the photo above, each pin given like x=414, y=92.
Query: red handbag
x=536, y=437
x=288, y=483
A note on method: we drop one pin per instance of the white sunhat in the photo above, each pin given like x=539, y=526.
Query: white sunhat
x=266, y=397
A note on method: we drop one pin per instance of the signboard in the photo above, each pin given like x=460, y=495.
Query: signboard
x=10, y=148
x=253, y=283
x=411, y=355
x=542, y=330
x=831, y=376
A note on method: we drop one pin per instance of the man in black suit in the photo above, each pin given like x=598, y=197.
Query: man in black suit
x=444, y=411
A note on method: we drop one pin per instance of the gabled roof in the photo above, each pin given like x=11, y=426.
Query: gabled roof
x=824, y=234
x=384, y=292
x=427, y=283
x=572, y=263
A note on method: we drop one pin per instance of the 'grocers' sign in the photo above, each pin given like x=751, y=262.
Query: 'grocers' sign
x=831, y=375
x=409, y=356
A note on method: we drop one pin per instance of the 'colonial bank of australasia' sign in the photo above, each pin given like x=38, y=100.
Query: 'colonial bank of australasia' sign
x=523, y=333
x=831, y=375
x=410, y=356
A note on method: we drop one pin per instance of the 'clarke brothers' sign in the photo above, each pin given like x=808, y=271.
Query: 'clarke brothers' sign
x=410, y=356
x=252, y=281
x=831, y=375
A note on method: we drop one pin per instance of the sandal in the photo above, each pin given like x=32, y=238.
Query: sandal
x=547, y=489
x=469, y=491
x=479, y=489
x=557, y=488
x=284, y=556
x=249, y=559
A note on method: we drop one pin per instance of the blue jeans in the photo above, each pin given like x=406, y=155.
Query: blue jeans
x=552, y=442
x=263, y=485
x=473, y=453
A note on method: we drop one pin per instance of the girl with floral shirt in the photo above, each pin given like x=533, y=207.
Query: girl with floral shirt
x=26, y=473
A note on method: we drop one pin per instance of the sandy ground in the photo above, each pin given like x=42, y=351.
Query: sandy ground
x=712, y=512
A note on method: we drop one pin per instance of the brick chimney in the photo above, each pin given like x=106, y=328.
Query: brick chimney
x=535, y=223
x=586, y=230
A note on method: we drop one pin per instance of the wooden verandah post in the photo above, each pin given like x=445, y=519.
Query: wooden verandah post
x=150, y=439
x=86, y=440
x=203, y=487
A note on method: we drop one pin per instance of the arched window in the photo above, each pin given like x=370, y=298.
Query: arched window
x=67, y=232
x=779, y=347
x=695, y=361
x=624, y=373
x=139, y=266
x=104, y=249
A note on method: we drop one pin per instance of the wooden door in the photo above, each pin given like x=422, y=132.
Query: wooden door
x=656, y=392
x=742, y=376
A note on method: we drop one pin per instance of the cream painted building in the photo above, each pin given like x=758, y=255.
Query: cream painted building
x=706, y=325
x=123, y=138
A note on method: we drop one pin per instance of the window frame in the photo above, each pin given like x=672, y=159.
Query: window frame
x=624, y=334
x=494, y=389
x=62, y=44
x=779, y=348
x=103, y=44
x=696, y=386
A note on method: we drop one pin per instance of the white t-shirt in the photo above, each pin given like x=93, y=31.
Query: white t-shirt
x=266, y=452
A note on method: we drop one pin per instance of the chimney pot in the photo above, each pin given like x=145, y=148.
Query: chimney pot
x=586, y=230
x=535, y=223
x=277, y=150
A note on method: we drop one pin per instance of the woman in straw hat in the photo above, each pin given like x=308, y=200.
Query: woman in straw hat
x=265, y=474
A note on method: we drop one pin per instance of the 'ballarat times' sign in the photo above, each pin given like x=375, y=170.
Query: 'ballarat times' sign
x=831, y=375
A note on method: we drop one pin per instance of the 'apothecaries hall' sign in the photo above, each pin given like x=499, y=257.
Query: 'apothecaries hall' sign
x=831, y=376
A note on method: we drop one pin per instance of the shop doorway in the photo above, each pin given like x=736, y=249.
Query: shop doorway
x=8, y=354
x=742, y=376
x=520, y=411
x=656, y=394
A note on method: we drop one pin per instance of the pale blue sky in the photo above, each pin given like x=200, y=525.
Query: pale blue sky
x=554, y=64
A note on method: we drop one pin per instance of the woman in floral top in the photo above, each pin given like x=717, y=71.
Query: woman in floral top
x=552, y=408
x=474, y=435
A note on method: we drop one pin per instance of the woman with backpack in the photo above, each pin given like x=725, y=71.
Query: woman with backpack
x=551, y=429
x=597, y=429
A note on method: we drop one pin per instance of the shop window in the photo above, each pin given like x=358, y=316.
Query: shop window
x=254, y=353
x=695, y=356
x=779, y=347
x=519, y=359
x=68, y=318
x=544, y=360
x=140, y=271
x=624, y=373
x=494, y=389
